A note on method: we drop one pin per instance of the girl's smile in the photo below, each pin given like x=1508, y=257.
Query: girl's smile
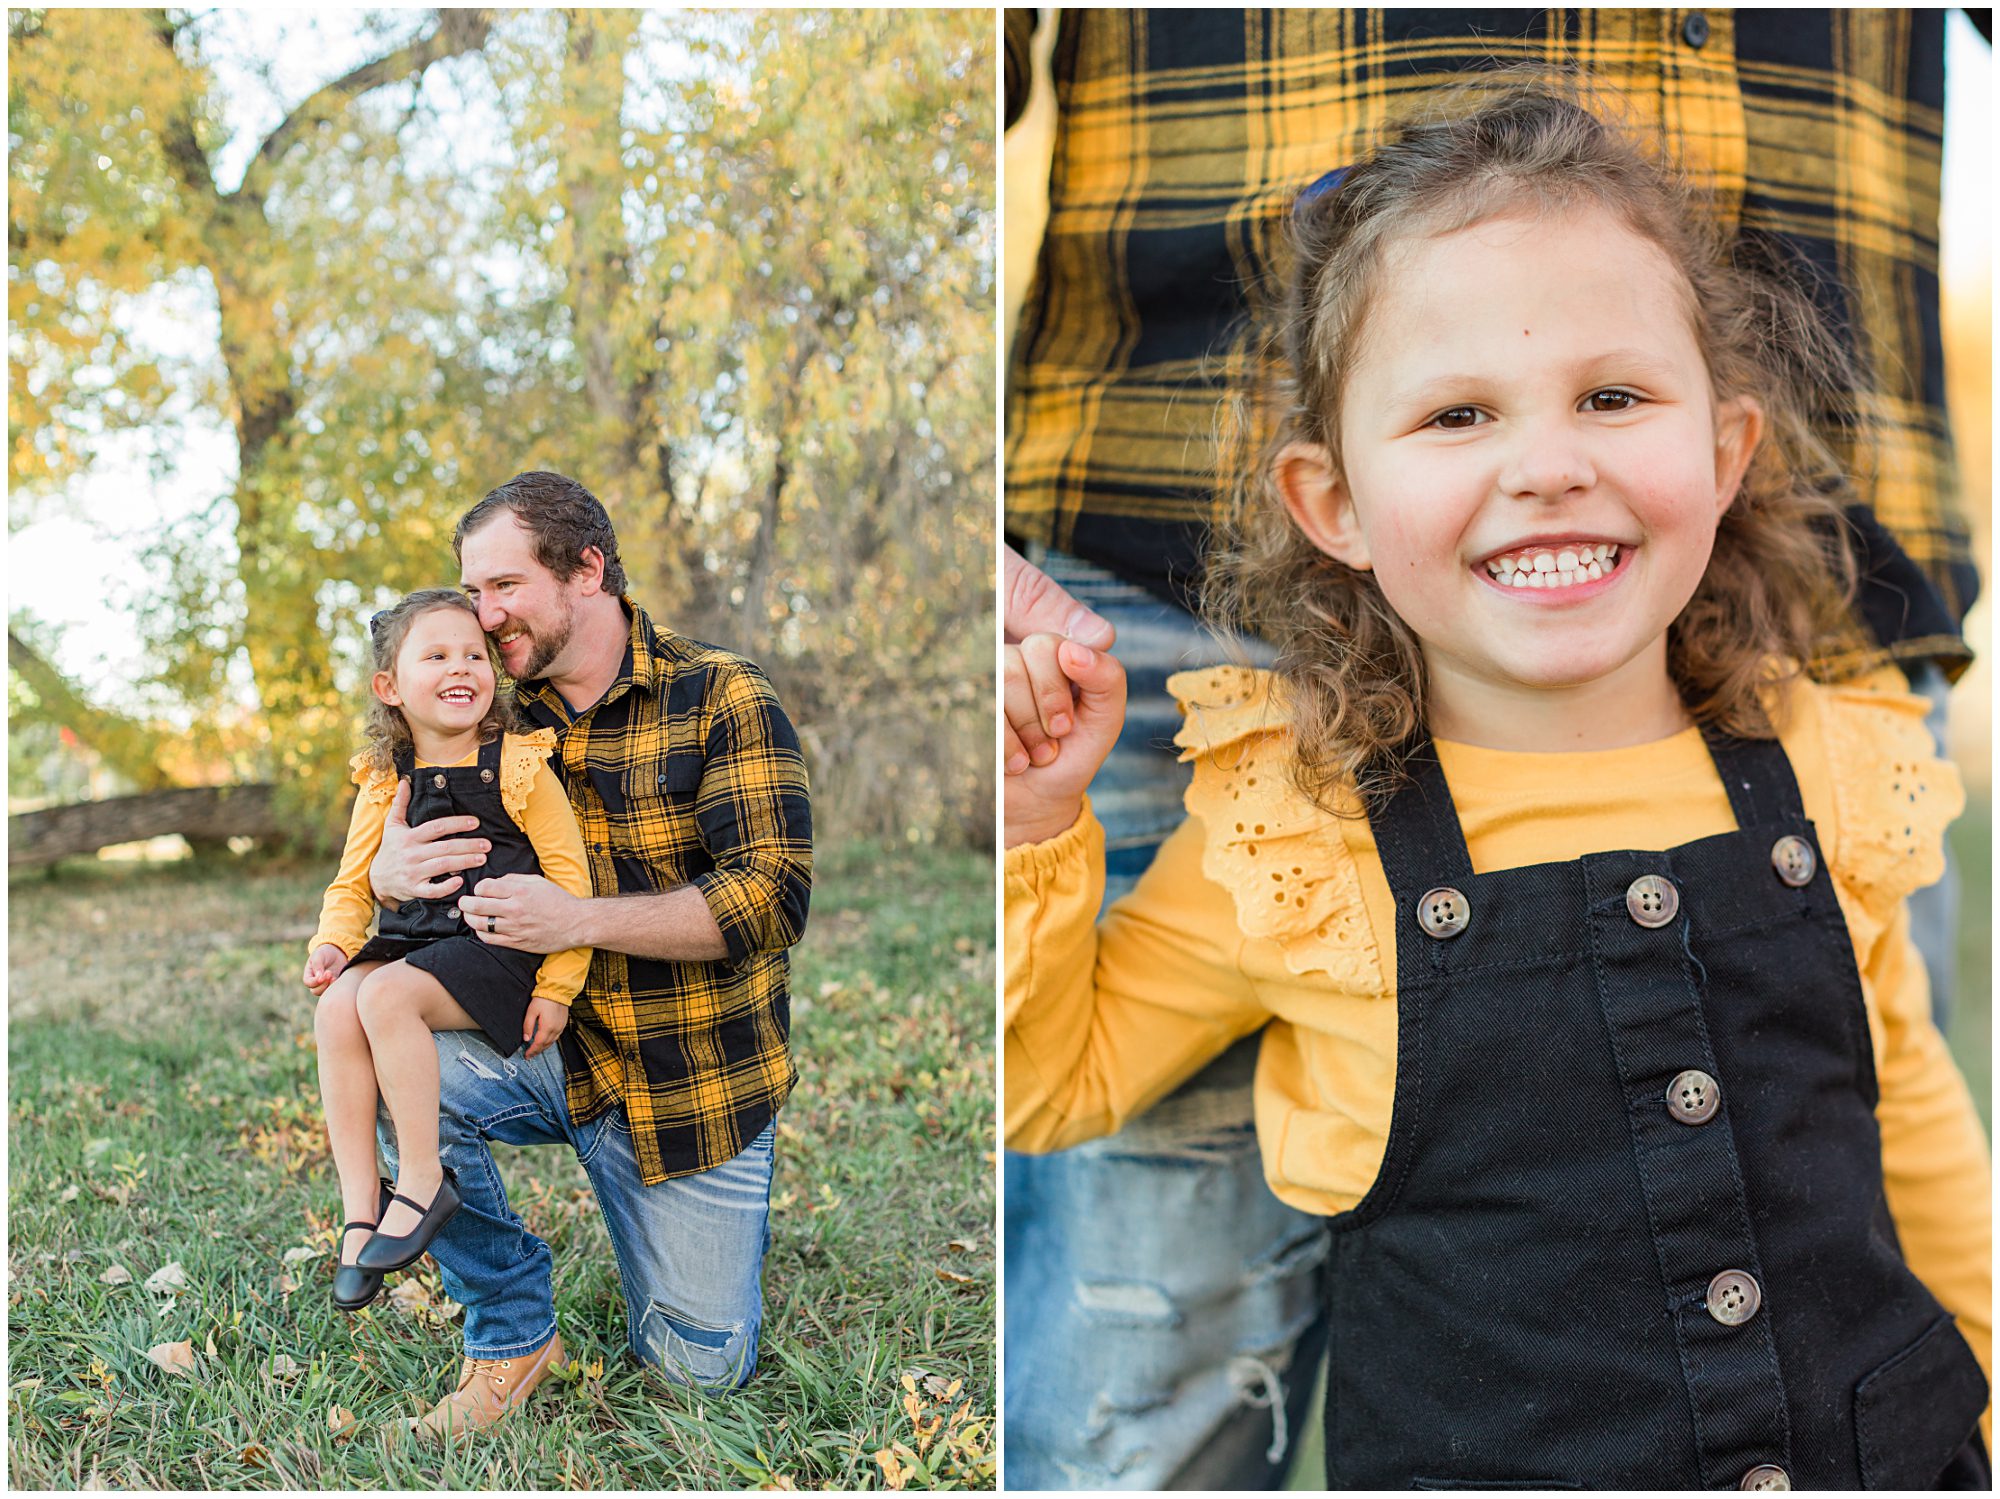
x=1533, y=465
x=443, y=680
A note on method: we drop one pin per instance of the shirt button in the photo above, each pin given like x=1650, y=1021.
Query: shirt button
x=1766, y=1476
x=1694, y=30
x=1733, y=1298
x=438, y=781
x=1793, y=858
x=1693, y=1097
x=1652, y=900
x=1443, y=912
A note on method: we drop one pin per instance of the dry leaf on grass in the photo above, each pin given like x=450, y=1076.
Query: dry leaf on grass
x=70, y=1193
x=303, y=1252
x=342, y=1423
x=409, y=1297
x=168, y=1279
x=254, y=1455
x=952, y=1277
x=116, y=1275
x=285, y=1368
x=175, y=1358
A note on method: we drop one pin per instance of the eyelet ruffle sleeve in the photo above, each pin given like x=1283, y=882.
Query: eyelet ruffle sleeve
x=376, y=785
x=520, y=756
x=1893, y=798
x=1283, y=860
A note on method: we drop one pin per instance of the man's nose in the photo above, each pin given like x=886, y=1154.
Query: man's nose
x=491, y=618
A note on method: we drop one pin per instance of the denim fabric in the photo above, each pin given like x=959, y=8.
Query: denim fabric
x=1164, y=1319
x=690, y=1250
x=1934, y=909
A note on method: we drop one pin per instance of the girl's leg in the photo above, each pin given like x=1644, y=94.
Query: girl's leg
x=347, y=1096
x=399, y=1007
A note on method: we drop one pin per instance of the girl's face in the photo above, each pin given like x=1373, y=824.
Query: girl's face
x=443, y=679
x=1534, y=463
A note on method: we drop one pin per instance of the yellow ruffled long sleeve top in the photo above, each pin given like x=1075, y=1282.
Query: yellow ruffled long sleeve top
x=1262, y=910
x=531, y=795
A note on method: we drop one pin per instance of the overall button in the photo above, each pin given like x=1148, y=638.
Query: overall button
x=1652, y=900
x=1694, y=30
x=1443, y=912
x=1766, y=1476
x=438, y=781
x=1693, y=1097
x=1793, y=858
x=486, y=776
x=1733, y=1298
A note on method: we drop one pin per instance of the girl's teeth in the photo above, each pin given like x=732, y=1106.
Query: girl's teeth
x=1554, y=569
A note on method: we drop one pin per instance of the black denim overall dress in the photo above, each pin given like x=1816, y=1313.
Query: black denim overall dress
x=1629, y=1230
x=491, y=984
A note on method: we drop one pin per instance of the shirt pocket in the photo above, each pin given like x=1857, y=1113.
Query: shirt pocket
x=656, y=843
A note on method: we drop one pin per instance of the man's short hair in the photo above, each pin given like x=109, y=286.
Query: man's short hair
x=561, y=515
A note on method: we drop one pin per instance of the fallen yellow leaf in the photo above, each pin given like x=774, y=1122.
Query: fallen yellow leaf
x=342, y=1423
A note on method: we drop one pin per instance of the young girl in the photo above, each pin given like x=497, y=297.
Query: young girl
x=1572, y=910
x=433, y=720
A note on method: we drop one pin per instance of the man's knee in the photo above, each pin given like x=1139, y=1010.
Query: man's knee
x=703, y=1355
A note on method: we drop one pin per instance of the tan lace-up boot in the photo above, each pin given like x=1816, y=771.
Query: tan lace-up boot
x=488, y=1389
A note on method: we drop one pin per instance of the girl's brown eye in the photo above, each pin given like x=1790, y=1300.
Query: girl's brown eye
x=1623, y=400
x=1456, y=419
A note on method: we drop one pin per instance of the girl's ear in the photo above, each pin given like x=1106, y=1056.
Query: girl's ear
x=384, y=683
x=1739, y=427
x=1319, y=502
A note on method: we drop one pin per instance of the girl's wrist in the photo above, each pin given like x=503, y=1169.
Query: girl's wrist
x=1042, y=826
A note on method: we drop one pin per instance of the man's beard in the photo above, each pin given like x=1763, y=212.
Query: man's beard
x=544, y=650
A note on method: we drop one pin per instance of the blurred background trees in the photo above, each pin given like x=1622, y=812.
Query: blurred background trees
x=734, y=272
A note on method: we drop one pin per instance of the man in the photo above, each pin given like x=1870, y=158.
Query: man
x=686, y=778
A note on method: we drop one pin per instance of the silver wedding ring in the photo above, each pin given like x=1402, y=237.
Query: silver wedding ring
x=492, y=925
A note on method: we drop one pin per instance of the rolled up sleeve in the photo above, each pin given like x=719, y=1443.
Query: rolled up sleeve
x=755, y=815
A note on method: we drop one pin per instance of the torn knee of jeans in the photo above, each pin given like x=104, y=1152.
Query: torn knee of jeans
x=479, y=1067
x=1126, y=1303
x=698, y=1353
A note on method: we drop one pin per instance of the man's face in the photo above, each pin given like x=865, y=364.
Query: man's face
x=527, y=610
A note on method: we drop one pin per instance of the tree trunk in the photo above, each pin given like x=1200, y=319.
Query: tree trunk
x=209, y=814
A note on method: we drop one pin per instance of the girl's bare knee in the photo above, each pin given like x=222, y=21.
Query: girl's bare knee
x=386, y=993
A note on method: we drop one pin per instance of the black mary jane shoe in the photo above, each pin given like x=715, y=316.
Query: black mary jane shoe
x=383, y=1254
x=353, y=1287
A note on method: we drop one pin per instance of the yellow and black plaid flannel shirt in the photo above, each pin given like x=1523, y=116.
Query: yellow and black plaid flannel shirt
x=686, y=772
x=1184, y=137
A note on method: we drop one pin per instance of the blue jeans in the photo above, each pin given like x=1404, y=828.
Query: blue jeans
x=690, y=1250
x=1165, y=1317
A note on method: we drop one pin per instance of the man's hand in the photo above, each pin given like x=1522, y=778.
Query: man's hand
x=1034, y=604
x=422, y=862
x=542, y=1024
x=524, y=912
x=324, y=966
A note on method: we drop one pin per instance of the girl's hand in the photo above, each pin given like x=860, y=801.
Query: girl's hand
x=1065, y=705
x=324, y=966
x=542, y=1024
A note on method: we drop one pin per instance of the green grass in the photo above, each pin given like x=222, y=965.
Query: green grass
x=1970, y=1038
x=164, y=1110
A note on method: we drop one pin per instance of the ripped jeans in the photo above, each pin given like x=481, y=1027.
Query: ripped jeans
x=690, y=1250
x=1165, y=1313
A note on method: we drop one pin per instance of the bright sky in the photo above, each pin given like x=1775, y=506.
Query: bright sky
x=100, y=528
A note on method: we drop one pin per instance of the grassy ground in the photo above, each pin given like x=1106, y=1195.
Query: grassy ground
x=1971, y=1039
x=163, y=1111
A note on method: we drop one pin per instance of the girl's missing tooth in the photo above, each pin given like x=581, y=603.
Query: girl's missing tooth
x=1573, y=906
x=434, y=721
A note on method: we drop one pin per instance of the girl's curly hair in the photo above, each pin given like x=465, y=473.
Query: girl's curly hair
x=1780, y=583
x=386, y=728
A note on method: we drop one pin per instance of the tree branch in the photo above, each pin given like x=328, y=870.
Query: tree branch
x=457, y=31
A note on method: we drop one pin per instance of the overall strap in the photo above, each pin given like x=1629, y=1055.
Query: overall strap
x=489, y=754
x=1416, y=831
x=1757, y=774
x=406, y=762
